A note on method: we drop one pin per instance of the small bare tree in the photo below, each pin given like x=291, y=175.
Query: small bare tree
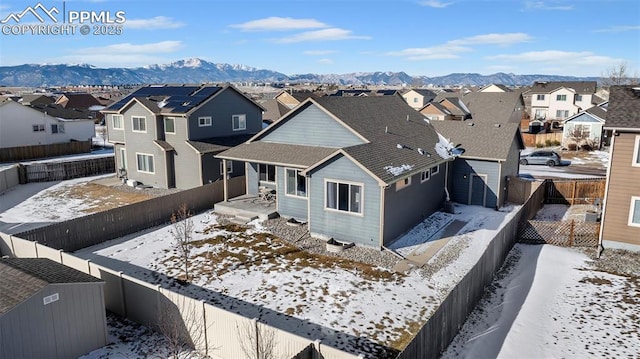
x=619, y=75
x=182, y=231
x=256, y=341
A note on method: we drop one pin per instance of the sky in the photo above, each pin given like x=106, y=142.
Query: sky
x=419, y=37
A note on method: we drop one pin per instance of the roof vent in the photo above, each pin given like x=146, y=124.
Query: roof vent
x=400, y=146
x=469, y=123
x=423, y=152
x=386, y=129
x=496, y=125
x=407, y=118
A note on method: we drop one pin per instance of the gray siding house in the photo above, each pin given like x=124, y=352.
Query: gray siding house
x=479, y=176
x=356, y=169
x=167, y=136
x=48, y=310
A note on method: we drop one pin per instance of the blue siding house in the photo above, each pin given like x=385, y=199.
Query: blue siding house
x=357, y=169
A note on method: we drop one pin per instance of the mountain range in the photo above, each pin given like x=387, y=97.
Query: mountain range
x=200, y=71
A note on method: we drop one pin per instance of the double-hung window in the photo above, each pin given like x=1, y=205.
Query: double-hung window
x=204, y=121
x=342, y=196
x=634, y=212
x=139, y=123
x=435, y=170
x=425, y=175
x=229, y=167
x=38, y=128
x=540, y=97
x=296, y=183
x=57, y=128
x=117, y=122
x=636, y=152
x=144, y=163
x=170, y=125
x=561, y=97
x=239, y=122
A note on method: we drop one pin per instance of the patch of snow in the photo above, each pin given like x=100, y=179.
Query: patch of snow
x=397, y=171
x=444, y=148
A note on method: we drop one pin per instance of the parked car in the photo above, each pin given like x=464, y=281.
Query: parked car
x=549, y=158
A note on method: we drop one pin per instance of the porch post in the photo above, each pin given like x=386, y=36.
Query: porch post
x=224, y=180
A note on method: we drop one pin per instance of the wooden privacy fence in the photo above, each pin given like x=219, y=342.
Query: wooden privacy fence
x=574, y=191
x=60, y=171
x=99, y=227
x=564, y=233
x=530, y=139
x=22, y=153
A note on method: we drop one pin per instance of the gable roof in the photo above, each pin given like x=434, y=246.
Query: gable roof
x=385, y=122
x=584, y=116
x=460, y=109
x=24, y=277
x=481, y=140
x=426, y=93
x=167, y=98
x=438, y=106
x=78, y=100
x=500, y=86
x=494, y=107
x=599, y=111
x=36, y=99
x=218, y=144
x=273, y=110
x=67, y=113
x=623, y=111
x=580, y=87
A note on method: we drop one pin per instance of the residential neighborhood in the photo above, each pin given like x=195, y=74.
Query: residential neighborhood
x=305, y=180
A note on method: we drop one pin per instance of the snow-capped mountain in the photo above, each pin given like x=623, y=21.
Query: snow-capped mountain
x=196, y=70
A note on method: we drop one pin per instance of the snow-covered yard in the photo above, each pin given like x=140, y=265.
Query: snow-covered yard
x=255, y=273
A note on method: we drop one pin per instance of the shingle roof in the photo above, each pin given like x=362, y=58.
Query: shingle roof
x=168, y=98
x=278, y=153
x=580, y=87
x=494, y=107
x=78, y=100
x=500, y=86
x=67, y=113
x=164, y=145
x=624, y=107
x=24, y=277
x=439, y=107
x=37, y=99
x=596, y=100
x=273, y=110
x=482, y=140
x=218, y=144
x=598, y=111
x=386, y=121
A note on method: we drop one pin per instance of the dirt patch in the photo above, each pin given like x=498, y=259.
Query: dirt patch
x=98, y=197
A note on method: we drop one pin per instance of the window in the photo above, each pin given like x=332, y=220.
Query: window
x=578, y=98
x=123, y=159
x=425, y=175
x=562, y=113
x=239, y=122
x=415, y=100
x=561, y=97
x=266, y=173
x=541, y=114
x=204, y=121
x=403, y=183
x=229, y=167
x=57, y=128
x=170, y=125
x=296, y=183
x=583, y=129
x=117, y=122
x=435, y=170
x=540, y=97
x=38, y=128
x=636, y=153
x=145, y=163
x=139, y=124
x=634, y=212
x=346, y=197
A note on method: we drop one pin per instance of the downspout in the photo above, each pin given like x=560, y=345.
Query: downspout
x=446, y=181
x=225, y=190
x=382, y=208
x=606, y=193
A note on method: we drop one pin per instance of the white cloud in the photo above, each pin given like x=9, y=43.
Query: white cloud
x=330, y=34
x=557, y=57
x=122, y=55
x=621, y=28
x=319, y=52
x=454, y=48
x=275, y=23
x=541, y=5
x=154, y=23
x=435, y=4
x=325, y=61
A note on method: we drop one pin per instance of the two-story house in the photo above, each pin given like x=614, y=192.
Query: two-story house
x=620, y=226
x=167, y=136
x=418, y=98
x=556, y=101
x=356, y=169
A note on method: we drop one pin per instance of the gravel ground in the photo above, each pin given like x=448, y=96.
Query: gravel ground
x=154, y=192
x=299, y=236
x=616, y=261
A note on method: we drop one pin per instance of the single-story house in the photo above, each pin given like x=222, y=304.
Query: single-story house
x=586, y=128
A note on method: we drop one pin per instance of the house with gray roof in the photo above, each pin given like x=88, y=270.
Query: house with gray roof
x=620, y=225
x=418, y=98
x=495, y=88
x=357, y=169
x=587, y=128
x=558, y=100
x=166, y=136
x=48, y=310
x=479, y=176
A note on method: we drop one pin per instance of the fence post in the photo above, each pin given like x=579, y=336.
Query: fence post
x=571, y=230
x=573, y=193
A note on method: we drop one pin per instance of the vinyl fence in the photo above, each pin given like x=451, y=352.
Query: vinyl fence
x=23, y=153
x=60, y=171
x=212, y=330
x=438, y=332
x=9, y=178
x=99, y=227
